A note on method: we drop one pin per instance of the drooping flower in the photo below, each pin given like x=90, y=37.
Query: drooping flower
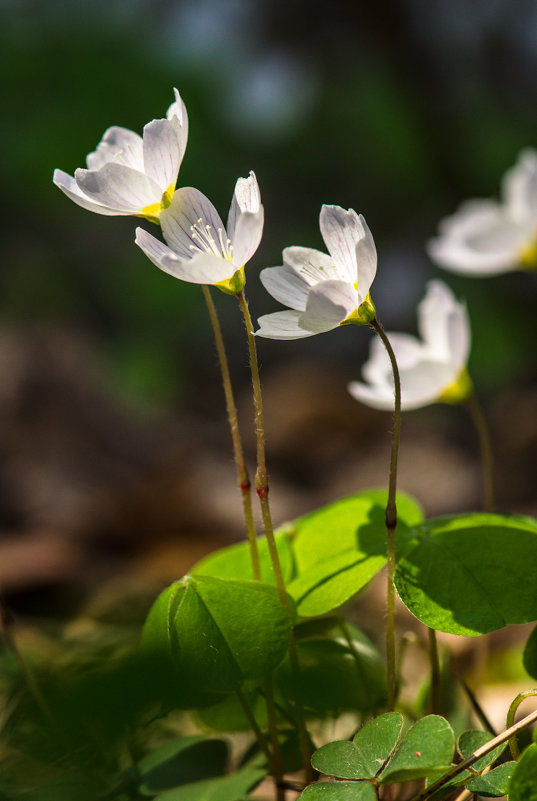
x=432, y=369
x=130, y=174
x=485, y=237
x=199, y=248
x=323, y=291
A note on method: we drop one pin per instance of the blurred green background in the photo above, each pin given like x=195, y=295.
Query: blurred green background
x=400, y=109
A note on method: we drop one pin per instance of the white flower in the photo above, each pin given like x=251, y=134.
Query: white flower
x=485, y=237
x=200, y=249
x=431, y=370
x=324, y=291
x=132, y=175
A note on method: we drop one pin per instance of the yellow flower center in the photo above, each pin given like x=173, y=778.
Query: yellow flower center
x=234, y=284
x=364, y=314
x=459, y=390
x=152, y=212
x=527, y=256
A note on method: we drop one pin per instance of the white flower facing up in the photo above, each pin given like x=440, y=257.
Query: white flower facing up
x=130, y=174
x=485, y=237
x=323, y=291
x=199, y=248
x=432, y=370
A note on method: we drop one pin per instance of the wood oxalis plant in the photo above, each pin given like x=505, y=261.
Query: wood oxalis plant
x=253, y=639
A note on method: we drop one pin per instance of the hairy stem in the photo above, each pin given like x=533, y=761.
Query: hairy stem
x=391, y=521
x=242, y=471
x=485, y=448
x=262, y=488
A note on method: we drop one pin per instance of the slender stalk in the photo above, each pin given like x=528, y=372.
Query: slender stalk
x=255, y=728
x=276, y=762
x=435, y=672
x=513, y=745
x=242, y=471
x=262, y=488
x=485, y=447
x=391, y=521
x=466, y=763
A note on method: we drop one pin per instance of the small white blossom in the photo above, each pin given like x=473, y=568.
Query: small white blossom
x=485, y=237
x=323, y=291
x=129, y=174
x=431, y=370
x=199, y=248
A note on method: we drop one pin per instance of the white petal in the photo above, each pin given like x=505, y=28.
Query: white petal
x=378, y=369
x=329, y=304
x=70, y=188
x=282, y=325
x=248, y=233
x=342, y=230
x=420, y=385
x=286, y=286
x=188, y=206
x=119, y=187
x=460, y=337
x=120, y=146
x=519, y=188
x=246, y=198
x=460, y=258
x=154, y=249
x=434, y=312
x=204, y=268
x=312, y=265
x=366, y=259
x=178, y=109
x=377, y=397
x=479, y=239
x=164, y=148
x=424, y=383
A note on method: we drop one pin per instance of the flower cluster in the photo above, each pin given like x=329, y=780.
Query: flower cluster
x=136, y=175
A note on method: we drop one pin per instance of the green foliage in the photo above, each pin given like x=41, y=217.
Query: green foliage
x=427, y=745
x=523, y=782
x=336, y=676
x=471, y=740
x=339, y=791
x=214, y=633
x=235, y=562
x=382, y=753
x=530, y=654
x=366, y=755
x=233, y=787
x=328, y=555
x=472, y=574
x=183, y=761
x=493, y=784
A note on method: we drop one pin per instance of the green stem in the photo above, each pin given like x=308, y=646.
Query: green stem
x=513, y=745
x=480, y=752
x=242, y=471
x=276, y=762
x=485, y=447
x=262, y=488
x=435, y=672
x=255, y=728
x=391, y=521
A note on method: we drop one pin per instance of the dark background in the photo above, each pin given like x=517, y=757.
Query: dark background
x=114, y=453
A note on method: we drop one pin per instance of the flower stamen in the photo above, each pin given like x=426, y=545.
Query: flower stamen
x=204, y=242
